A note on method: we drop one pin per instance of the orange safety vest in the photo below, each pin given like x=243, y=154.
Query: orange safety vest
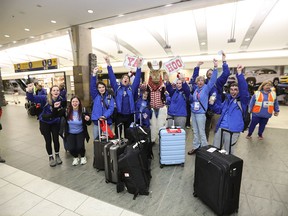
x=259, y=101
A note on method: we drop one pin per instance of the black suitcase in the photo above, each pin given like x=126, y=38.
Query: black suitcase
x=111, y=153
x=134, y=170
x=217, y=179
x=98, y=162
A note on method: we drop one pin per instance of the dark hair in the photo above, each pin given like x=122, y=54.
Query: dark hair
x=101, y=83
x=70, y=109
x=234, y=84
x=124, y=76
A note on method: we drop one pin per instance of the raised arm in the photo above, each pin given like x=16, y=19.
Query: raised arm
x=93, y=80
x=111, y=74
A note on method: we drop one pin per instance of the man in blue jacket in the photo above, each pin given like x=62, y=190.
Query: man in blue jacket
x=125, y=94
x=231, y=119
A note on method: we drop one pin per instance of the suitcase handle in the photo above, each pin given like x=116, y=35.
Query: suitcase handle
x=221, y=139
x=99, y=130
x=137, y=112
x=173, y=122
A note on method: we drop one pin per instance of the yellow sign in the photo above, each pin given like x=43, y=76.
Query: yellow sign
x=44, y=64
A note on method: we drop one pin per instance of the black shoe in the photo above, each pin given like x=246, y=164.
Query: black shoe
x=2, y=160
x=193, y=151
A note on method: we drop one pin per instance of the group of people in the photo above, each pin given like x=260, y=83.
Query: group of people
x=204, y=96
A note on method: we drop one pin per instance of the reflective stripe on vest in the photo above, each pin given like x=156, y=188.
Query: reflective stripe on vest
x=259, y=100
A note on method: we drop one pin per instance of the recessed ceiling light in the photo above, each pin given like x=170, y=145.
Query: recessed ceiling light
x=32, y=37
x=14, y=42
x=1, y=45
x=26, y=29
x=53, y=21
x=168, y=5
x=90, y=11
x=6, y=36
x=203, y=43
x=120, y=15
x=247, y=39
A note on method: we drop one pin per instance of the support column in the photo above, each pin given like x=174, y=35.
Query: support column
x=81, y=47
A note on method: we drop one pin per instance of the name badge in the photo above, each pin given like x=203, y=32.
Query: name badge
x=265, y=104
x=196, y=105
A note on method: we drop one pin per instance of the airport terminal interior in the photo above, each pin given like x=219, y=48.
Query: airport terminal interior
x=29, y=186
x=46, y=43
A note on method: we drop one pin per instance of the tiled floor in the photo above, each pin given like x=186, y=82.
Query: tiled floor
x=28, y=186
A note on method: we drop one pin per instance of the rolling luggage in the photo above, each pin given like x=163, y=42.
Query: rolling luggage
x=217, y=179
x=137, y=132
x=172, y=145
x=98, y=161
x=134, y=169
x=111, y=153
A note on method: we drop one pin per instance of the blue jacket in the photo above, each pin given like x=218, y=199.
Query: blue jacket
x=101, y=109
x=146, y=111
x=131, y=90
x=41, y=92
x=178, y=98
x=231, y=114
x=264, y=111
x=48, y=113
x=201, y=95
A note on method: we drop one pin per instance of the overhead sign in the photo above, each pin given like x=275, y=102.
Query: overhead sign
x=44, y=64
x=131, y=62
x=173, y=65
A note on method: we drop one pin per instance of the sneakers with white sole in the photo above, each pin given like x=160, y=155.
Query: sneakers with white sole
x=75, y=161
x=83, y=160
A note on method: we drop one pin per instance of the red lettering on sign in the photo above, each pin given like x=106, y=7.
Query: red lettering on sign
x=130, y=60
x=169, y=67
x=179, y=63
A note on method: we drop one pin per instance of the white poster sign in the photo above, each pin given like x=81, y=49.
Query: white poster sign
x=131, y=62
x=174, y=65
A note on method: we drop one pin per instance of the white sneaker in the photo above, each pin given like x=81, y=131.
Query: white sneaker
x=83, y=160
x=75, y=161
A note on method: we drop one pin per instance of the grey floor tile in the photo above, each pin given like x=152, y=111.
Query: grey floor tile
x=45, y=208
x=20, y=204
x=266, y=207
x=9, y=192
x=282, y=191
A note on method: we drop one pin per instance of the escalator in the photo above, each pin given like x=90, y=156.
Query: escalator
x=22, y=84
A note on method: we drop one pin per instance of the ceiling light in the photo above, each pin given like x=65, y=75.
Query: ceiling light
x=120, y=15
x=90, y=11
x=26, y=29
x=32, y=37
x=203, y=43
x=1, y=45
x=53, y=21
x=231, y=40
x=247, y=39
x=168, y=5
x=7, y=36
x=14, y=42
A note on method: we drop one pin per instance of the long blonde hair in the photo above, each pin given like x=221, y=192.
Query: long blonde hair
x=49, y=96
x=263, y=84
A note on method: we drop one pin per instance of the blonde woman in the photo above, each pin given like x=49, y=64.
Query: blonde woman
x=262, y=105
x=49, y=119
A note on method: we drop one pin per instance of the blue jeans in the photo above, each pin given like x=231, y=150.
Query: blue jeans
x=198, y=124
x=262, y=124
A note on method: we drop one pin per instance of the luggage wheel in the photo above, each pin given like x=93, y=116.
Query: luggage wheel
x=182, y=165
x=107, y=181
x=195, y=194
x=161, y=166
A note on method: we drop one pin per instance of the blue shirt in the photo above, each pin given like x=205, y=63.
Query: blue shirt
x=75, y=125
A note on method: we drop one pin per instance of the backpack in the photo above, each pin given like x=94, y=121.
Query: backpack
x=246, y=116
x=35, y=109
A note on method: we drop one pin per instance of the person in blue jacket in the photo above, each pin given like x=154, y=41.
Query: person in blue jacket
x=263, y=105
x=177, y=102
x=49, y=119
x=199, y=106
x=231, y=119
x=215, y=92
x=40, y=90
x=143, y=106
x=103, y=103
x=125, y=94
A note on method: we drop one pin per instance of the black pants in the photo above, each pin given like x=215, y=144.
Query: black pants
x=126, y=120
x=188, y=118
x=47, y=130
x=76, y=144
